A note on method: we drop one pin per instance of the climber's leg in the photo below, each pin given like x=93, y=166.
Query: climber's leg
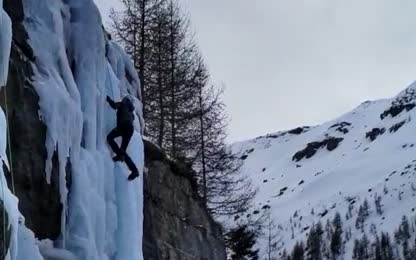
x=110, y=139
x=127, y=133
x=132, y=167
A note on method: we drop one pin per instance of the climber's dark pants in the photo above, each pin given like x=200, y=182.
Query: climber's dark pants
x=126, y=132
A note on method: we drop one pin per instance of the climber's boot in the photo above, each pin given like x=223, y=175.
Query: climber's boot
x=133, y=176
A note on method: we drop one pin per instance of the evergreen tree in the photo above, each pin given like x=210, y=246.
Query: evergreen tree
x=405, y=228
x=326, y=240
x=366, y=208
x=298, y=251
x=407, y=251
x=349, y=213
x=336, y=236
x=240, y=241
x=373, y=229
x=377, y=202
x=314, y=242
x=412, y=253
x=365, y=244
x=348, y=234
x=403, y=233
x=284, y=255
x=386, y=247
x=361, y=249
x=363, y=213
x=377, y=249
x=357, y=250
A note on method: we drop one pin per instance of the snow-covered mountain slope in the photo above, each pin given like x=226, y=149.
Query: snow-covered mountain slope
x=308, y=174
x=75, y=67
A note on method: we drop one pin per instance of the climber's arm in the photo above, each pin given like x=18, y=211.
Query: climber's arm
x=112, y=104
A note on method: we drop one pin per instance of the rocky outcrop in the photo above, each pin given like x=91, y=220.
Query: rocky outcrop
x=331, y=143
x=298, y=130
x=374, y=133
x=405, y=102
x=39, y=202
x=342, y=127
x=176, y=224
x=394, y=128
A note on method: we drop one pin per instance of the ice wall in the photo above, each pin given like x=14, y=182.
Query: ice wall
x=5, y=43
x=75, y=68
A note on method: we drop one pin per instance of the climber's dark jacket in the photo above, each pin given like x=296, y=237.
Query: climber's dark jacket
x=125, y=109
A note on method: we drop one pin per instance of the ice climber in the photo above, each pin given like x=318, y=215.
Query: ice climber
x=125, y=129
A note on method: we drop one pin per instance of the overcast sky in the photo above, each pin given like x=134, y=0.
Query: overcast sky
x=287, y=63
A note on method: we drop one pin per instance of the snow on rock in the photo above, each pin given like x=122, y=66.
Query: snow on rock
x=376, y=157
x=76, y=66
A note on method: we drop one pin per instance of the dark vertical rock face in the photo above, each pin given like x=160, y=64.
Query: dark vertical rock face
x=176, y=226
x=39, y=201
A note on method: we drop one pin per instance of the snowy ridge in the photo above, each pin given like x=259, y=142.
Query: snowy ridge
x=307, y=174
x=76, y=66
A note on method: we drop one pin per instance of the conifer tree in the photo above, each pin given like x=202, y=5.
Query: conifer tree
x=336, y=236
x=241, y=241
x=298, y=251
x=314, y=242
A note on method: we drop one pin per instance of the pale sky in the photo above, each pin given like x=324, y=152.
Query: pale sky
x=287, y=63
